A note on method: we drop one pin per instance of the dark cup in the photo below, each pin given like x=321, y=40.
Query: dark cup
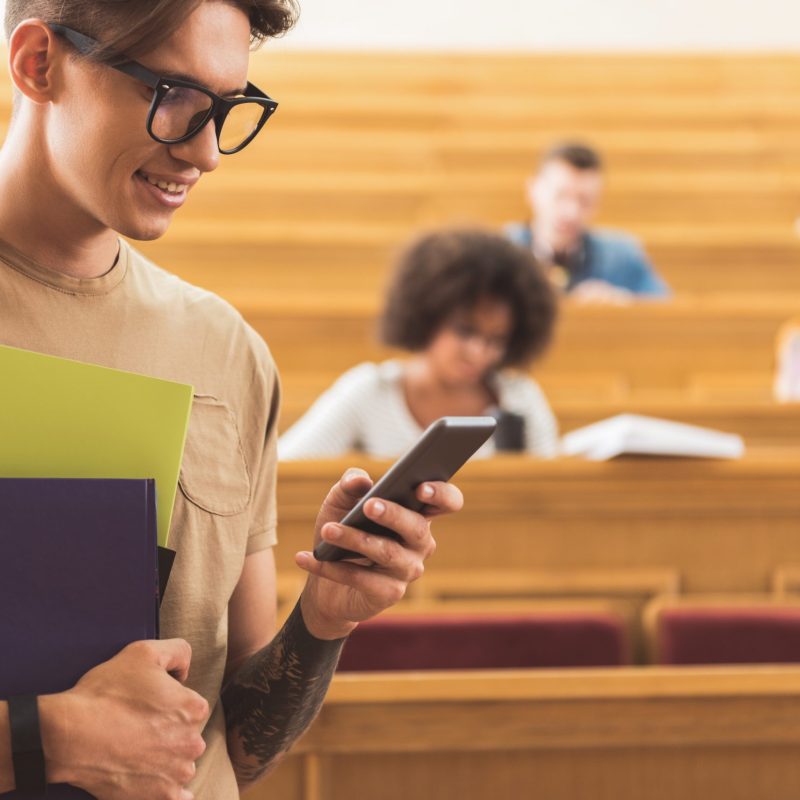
x=509, y=436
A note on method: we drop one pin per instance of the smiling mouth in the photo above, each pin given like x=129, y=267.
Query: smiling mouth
x=169, y=187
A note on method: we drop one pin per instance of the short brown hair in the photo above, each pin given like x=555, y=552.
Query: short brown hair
x=576, y=154
x=453, y=270
x=135, y=27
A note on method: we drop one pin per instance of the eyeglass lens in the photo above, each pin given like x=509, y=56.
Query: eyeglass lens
x=467, y=332
x=239, y=125
x=183, y=111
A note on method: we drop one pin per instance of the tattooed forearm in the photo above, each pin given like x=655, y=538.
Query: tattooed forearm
x=275, y=695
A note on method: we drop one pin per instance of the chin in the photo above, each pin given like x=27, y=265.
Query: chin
x=142, y=231
x=567, y=237
x=464, y=379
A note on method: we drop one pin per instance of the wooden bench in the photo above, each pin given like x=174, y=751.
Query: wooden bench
x=347, y=256
x=651, y=348
x=786, y=580
x=614, y=734
x=739, y=403
x=624, y=592
x=722, y=628
x=703, y=155
x=645, y=198
x=759, y=423
x=722, y=526
x=366, y=149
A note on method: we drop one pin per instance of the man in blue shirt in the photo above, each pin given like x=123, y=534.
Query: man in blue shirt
x=589, y=264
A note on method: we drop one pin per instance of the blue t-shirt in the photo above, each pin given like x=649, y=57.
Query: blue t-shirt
x=615, y=258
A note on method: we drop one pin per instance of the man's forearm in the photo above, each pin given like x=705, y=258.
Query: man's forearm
x=275, y=695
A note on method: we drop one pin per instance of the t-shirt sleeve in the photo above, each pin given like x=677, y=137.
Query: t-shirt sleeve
x=331, y=427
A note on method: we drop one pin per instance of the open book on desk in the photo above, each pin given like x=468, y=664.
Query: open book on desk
x=636, y=434
x=78, y=582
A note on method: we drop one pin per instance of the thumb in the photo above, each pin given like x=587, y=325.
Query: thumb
x=352, y=486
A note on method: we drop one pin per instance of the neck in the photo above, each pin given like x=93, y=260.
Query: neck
x=546, y=240
x=40, y=220
x=423, y=376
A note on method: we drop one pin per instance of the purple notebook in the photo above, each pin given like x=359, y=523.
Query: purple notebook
x=78, y=581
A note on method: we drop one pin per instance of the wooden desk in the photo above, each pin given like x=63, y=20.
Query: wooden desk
x=722, y=526
x=626, y=734
x=759, y=423
x=739, y=403
x=351, y=252
x=651, y=348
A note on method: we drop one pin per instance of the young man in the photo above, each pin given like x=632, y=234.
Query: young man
x=589, y=264
x=108, y=139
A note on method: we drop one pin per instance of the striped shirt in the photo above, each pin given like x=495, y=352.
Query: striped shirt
x=365, y=410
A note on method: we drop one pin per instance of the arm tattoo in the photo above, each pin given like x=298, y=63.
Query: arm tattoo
x=275, y=696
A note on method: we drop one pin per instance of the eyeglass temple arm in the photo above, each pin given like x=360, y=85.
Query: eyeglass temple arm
x=86, y=45
x=139, y=72
x=251, y=90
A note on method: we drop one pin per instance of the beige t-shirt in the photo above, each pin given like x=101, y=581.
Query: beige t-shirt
x=138, y=317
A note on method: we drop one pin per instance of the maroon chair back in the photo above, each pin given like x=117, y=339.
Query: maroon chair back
x=497, y=641
x=731, y=635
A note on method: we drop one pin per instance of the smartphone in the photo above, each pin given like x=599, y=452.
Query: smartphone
x=438, y=454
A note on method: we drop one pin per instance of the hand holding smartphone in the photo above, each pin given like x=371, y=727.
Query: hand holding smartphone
x=438, y=454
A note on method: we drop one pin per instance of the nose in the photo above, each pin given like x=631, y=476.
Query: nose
x=571, y=210
x=478, y=349
x=201, y=151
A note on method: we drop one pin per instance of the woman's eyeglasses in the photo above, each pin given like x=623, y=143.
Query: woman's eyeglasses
x=468, y=332
x=180, y=109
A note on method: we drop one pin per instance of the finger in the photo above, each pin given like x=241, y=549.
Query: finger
x=411, y=526
x=385, y=554
x=379, y=589
x=440, y=498
x=196, y=707
x=352, y=486
x=185, y=773
x=174, y=656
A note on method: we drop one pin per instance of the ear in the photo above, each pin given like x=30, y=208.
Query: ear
x=33, y=50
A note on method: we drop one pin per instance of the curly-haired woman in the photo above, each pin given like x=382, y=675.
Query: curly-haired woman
x=468, y=306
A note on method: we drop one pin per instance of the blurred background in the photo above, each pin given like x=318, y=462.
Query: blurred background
x=537, y=26
x=595, y=588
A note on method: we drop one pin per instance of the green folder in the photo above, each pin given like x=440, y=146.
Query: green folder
x=66, y=419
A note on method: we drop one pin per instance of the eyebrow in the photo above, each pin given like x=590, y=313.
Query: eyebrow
x=182, y=76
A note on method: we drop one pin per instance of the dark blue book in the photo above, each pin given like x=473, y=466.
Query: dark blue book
x=78, y=582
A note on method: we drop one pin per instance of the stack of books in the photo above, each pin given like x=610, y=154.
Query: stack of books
x=89, y=467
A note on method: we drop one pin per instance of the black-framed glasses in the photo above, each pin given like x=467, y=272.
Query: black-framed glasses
x=180, y=109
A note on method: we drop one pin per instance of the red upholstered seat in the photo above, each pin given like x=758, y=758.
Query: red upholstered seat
x=730, y=635
x=471, y=641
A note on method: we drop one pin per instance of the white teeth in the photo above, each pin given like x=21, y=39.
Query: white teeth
x=172, y=187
